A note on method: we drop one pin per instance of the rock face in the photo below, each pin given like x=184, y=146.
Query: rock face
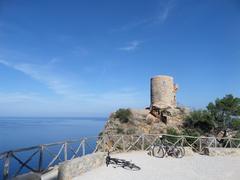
x=142, y=121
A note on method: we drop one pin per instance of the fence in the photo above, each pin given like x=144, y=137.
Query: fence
x=43, y=158
x=144, y=142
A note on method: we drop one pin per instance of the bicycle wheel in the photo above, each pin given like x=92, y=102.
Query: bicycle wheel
x=158, y=151
x=177, y=152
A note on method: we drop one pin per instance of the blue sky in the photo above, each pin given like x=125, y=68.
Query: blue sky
x=90, y=57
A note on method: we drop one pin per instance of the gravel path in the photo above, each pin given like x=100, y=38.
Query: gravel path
x=195, y=167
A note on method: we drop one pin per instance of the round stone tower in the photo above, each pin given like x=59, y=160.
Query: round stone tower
x=163, y=92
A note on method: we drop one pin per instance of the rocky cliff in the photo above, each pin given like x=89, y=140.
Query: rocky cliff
x=139, y=121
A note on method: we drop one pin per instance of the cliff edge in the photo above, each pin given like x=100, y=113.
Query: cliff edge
x=139, y=121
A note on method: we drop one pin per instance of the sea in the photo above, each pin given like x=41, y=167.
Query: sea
x=20, y=132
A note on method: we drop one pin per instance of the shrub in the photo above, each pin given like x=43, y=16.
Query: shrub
x=100, y=134
x=172, y=131
x=123, y=115
x=224, y=110
x=131, y=131
x=120, y=131
x=191, y=132
x=200, y=119
x=236, y=124
x=237, y=135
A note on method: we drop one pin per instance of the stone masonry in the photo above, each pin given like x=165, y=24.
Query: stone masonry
x=73, y=168
x=163, y=92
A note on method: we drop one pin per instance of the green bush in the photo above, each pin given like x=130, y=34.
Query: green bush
x=120, y=131
x=224, y=110
x=236, y=124
x=200, y=119
x=172, y=131
x=100, y=134
x=131, y=131
x=191, y=132
x=237, y=135
x=123, y=115
x=220, y=114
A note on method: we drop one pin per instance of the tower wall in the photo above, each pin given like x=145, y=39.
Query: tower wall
x=163, y=91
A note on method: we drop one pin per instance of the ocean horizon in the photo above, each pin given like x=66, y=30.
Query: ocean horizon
x=19, y=132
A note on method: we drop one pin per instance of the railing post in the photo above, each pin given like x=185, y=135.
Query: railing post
x=200, y=144
x=103, y=143
x=143, y=141
x=65, y=151
x=6, y=166
x=83, y=147
x=124, y=147
x=40, y=163
x=182, y=142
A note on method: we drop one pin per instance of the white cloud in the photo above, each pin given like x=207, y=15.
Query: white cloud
x=4, y=62
x=163, y=12
x=131, y=46
x=100, y=104
x=72, y=102
x=133, y=25
x=42, y=74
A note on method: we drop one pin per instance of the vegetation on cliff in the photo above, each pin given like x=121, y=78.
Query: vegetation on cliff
x=221, y=114
x=123, y=115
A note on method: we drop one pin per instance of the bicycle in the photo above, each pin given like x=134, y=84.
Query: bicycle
x=121, y=163
x=163, y=149
x=174, y=151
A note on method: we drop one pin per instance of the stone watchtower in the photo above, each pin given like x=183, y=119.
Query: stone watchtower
x=163, y=92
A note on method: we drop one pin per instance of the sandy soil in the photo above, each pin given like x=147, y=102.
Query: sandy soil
x=195, y=167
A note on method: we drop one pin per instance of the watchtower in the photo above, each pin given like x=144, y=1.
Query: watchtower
x=163, y=92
